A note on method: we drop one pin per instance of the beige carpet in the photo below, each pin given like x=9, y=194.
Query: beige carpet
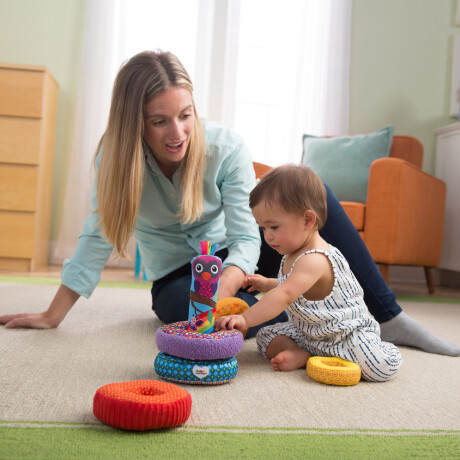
x=52, y=375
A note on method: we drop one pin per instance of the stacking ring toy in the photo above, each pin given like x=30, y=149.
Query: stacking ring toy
x=142, y=405
x=194, y=372
x=174, y=339
x=333, y=371
x=231, y=306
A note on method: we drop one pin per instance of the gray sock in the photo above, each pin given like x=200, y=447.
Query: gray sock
x=403, y=330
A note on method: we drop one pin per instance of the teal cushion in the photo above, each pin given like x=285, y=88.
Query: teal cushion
x=343, y=162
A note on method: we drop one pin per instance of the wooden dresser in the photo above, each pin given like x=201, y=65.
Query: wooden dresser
x=28, y=110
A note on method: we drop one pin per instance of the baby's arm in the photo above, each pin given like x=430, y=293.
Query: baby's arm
x=253, y=283
x=306, y=273
x=230, y=322
x=258, y=283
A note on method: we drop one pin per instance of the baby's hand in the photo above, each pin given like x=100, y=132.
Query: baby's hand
x=231, y=322
x=256, y=283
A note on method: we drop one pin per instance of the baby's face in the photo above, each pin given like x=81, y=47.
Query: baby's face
x=284, y=231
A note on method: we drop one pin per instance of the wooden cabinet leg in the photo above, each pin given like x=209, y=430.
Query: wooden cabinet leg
x=429, y=279
x=384, y=270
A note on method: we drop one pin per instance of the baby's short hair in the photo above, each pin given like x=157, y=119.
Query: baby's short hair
x=295, y=188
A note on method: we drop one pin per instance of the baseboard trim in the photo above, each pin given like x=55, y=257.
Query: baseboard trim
x=416, y=275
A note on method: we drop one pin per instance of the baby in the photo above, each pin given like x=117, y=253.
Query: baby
x=323, y=299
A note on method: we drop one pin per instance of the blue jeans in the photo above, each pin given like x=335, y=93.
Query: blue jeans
x=341, y=233
x=171, y=294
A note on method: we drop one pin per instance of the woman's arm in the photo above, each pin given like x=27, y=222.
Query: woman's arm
x=235, y=179
x=63, y=301
x=231, y=280
x=81, y=273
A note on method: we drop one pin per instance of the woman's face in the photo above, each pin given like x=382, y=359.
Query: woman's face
x=168, y=125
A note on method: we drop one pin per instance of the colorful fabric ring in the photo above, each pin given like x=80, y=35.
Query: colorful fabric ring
x=141, y=405
x=193, y=372
x=333, y=371
x=174, y=339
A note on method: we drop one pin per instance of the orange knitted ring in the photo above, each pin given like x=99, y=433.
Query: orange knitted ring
x=142, y=405
x=333, y=371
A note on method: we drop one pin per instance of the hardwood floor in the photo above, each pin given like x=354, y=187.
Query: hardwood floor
x=127, y=275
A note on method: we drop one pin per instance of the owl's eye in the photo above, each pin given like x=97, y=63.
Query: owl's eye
x=214, y=269
x=198, y=268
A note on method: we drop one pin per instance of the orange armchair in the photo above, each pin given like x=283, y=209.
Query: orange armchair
x=402, y=221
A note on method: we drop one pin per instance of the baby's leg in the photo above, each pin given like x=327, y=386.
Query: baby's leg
x=281, y=343
x=286, y=355
x=379, y=361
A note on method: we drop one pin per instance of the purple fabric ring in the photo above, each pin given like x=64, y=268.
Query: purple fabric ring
x=175, y=340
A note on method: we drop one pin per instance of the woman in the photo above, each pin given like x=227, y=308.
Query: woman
x=174, y=182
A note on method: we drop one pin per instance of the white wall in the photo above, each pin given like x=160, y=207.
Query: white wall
x=48, y=33
x=401, y=64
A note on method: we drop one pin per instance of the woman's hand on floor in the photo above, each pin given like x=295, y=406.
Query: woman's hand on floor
x=31, y=320
x=63, y=301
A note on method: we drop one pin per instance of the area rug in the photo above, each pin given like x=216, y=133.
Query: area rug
x=48, y=380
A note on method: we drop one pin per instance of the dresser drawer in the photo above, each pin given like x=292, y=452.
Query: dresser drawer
x=21, y=92
x=28, y=112
x=17, y=235
x=18, y=188
x=20, y=140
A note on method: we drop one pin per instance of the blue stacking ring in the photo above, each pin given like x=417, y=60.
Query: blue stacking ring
x=194, y=372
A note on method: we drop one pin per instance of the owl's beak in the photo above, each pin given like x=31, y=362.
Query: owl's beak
x=206, y=275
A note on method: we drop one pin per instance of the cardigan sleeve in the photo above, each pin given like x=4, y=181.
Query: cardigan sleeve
x=81, y=272
x=242, y=233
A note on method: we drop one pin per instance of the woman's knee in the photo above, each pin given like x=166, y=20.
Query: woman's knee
x=170, y=301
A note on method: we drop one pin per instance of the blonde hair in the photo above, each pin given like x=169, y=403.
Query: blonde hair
x=294, y=188
x=121, y=171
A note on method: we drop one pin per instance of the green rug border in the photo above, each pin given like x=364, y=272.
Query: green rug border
x=147, y=285
x=88, y=442
x=229, y=428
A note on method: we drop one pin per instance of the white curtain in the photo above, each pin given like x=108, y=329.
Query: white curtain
x=271, y=70
x=100, y=59
x=292, y=75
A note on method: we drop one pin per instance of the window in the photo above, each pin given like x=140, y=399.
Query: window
x=258, y=66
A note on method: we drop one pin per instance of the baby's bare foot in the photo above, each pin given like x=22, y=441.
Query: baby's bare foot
x=290, y=359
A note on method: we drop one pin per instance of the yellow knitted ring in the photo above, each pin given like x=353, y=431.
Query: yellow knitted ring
x=333, y=371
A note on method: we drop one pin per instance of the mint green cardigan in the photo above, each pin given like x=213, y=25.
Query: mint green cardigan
x=165, y=243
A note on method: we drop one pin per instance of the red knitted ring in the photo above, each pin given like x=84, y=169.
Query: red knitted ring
x=142, y=405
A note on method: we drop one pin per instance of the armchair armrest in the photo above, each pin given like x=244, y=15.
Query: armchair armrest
x=404, y=219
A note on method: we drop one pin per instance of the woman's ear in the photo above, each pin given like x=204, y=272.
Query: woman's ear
x=310, y=219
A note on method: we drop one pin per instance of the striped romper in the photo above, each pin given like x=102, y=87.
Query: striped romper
x=339, y=325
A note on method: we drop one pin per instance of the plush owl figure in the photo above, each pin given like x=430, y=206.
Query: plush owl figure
x=206, y=270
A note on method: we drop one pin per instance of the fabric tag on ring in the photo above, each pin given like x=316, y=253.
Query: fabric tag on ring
x=200, y=371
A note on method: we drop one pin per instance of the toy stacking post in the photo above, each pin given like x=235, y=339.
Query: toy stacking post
x=206, y=270
x=191, y=351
